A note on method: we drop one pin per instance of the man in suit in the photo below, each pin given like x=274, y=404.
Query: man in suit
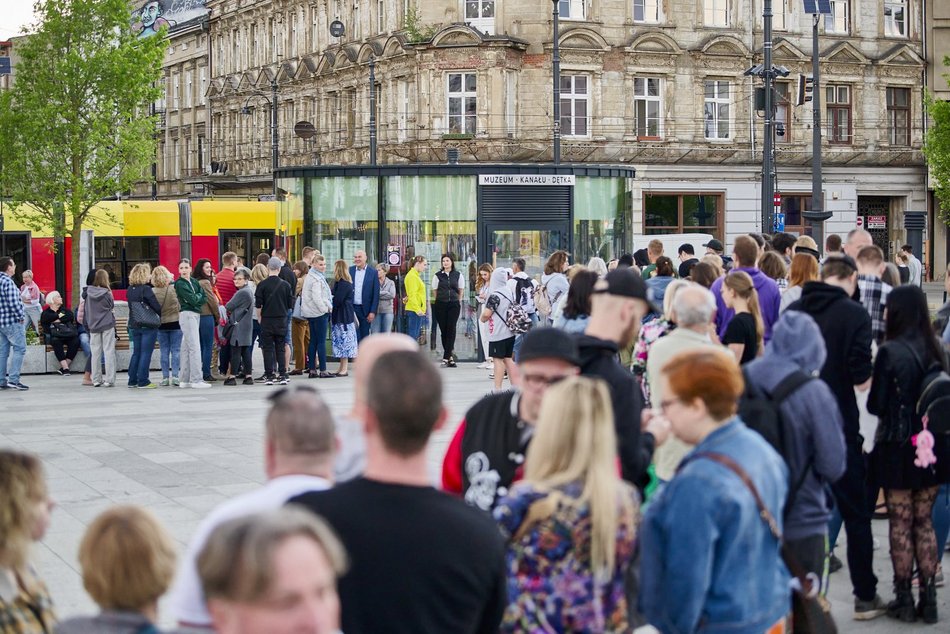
x=365, y=293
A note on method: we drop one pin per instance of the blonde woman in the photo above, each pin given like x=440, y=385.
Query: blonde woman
x=343, y=318
x=571, y=523
x=743, y=335
x=169, y=333
x=26, y=606
x=128, y=561
x=143, y=334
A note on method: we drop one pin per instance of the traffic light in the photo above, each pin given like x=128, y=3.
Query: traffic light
x=804, y=89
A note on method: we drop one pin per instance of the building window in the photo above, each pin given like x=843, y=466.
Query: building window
x=176, y=91
x=838, y=114
x=793, y=206
x=716, y=112
x=647, y=106
x=895, y=18
x=380, y=16
x=511, y=103
x=682, y=213
x=357, y=23
x=117, y=256
x=779, y=14
x=575, y=113
x=646, y=11
x=402, y=104
x=572, y=9
x=783, y=112
x=314, y=29
x=462, y=103
x=839, y=20
x=202, y=85
x=350, y=131
x=716, y=12
x=480, y=14
x=188, y=88
x=898, y=115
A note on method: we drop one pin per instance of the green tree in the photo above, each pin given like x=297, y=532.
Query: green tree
x=937, y=151
x=75, y=128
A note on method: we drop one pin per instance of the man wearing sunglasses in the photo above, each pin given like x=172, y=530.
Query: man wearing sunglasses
x=487, y=453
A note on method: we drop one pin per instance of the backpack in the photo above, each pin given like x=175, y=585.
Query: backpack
x=524, y=291
x=542, y=302
x=516, y=318
x=933, y=404
x=761, y=412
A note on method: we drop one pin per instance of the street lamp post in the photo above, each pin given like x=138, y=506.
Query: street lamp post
x=274, y=139
x=768, y=158
x=817, y=215
x=556, y=64
x=372, y=110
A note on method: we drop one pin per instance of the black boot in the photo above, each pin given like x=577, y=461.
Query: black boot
x=927, y=606
x=902, y=607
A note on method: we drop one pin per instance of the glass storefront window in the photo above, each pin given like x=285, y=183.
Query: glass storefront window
x=290, y=223
x=599, y=218
x=345, y=218
x=432, y=215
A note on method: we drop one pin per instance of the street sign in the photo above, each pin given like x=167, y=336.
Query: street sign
x=777, y=199
x=394, y=256
x=818, y=7
x=337, y=29
x=779, y=222
x=861, y=221
x=877, y=222
x=5, y=66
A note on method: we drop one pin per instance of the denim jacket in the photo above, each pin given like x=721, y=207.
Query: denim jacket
x=709, y=562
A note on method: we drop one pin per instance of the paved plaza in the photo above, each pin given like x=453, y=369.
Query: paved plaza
x=181, y=452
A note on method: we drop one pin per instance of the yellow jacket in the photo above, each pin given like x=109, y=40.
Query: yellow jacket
x=415, y=292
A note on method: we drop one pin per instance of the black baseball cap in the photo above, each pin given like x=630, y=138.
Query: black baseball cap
x=549, y=343
x=715, y=245
x=626, y=283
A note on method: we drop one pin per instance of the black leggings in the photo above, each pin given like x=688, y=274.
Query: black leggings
x=65, y=349
x=240, y=360
x=447, y=316
x=912, y=532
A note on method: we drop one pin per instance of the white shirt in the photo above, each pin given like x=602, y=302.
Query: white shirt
x=187, y=599
x=358, y=286
x=435, y=281
x=915, y=269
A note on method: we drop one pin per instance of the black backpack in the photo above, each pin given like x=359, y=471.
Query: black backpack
x=523, y=286
x=761, y=412
x=933, y=404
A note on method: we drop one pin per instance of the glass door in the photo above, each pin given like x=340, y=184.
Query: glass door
x=246, y=244
x=534, y=244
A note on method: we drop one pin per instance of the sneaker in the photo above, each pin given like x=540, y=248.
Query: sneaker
x=283, y=381
x=445, y=363
x=4, y=386
x=200, y=385
x=184, y=385
x=107, y=384
x=209, y=379
x=834, y=564
x=867, y=610
x=175, y=381
x=269, y=381
x=230, y=381
x=16, y=385
x=150, y=386
x=452, y=362
x=248, y=381
x=262, y=378
x=132, y=386
x=165, y=382
x=97, y=384
x=62, y=372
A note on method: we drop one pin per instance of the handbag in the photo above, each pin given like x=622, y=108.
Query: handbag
x=141, y=315
x=298, y=305
x=60, y=330
x=811, y=611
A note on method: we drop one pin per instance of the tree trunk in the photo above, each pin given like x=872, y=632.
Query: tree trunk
x=75, y=233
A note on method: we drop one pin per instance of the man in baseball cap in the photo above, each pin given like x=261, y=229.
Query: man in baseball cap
x=487, y=453
x=618, y=304
x=714, y=247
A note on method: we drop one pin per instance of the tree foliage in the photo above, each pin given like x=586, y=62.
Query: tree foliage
x=75, y=127
x=937, y=151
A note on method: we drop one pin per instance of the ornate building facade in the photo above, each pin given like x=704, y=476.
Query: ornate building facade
x=655, y=84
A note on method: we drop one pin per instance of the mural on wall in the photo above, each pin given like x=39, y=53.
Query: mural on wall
x=155, y=14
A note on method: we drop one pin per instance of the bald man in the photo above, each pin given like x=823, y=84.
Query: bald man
x=351, y=457
x=365, y=294
x=857, y=240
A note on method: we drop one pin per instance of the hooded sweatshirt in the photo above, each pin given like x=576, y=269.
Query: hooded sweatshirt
x=770, y=298
x=813, y=434
x=846, y=328
x=97, y=314
x=599, y=359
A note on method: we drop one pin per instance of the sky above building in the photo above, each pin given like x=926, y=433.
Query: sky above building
x=15, y=15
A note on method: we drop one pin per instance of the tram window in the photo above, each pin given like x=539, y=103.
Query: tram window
x=247, y=244
x=117, y=256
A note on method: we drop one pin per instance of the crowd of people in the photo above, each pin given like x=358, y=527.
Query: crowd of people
x=685, y=464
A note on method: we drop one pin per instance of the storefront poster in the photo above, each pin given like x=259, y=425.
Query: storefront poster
x=350, y=247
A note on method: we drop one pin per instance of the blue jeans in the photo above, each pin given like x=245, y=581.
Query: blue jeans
x=318, y=342
x=941, y=519
x=255, y=333
x=12, y=336
x=169, y=343
x=519, y=338
x=206, y=339
x=415, y=324
x=143, y=343
x=382, y=323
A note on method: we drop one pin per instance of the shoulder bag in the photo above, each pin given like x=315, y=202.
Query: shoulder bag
x=141, y=315
x=810, y=609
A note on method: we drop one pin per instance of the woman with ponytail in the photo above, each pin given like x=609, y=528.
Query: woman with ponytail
x=744, y=333
x=571, y=523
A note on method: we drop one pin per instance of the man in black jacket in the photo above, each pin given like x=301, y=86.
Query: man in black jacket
x=846, y=328
x=273, y=297
x=618, y=303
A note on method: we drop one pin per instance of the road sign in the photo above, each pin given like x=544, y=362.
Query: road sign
x=818, y=7
x=5, y=68
x=777, y=199
x=394, y=255
x=780, y=222
x=877, y=222
x=861, y=221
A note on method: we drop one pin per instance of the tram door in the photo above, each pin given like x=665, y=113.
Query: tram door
x=246, y=244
